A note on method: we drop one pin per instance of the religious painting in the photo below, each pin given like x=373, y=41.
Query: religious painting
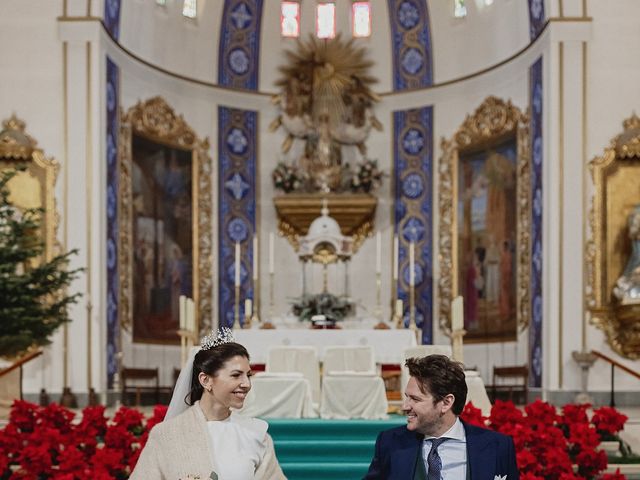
x=613, y=250
x=162, y=225
x=487, y=235
x=485, y=217
x=165, y=223
x=33, y=187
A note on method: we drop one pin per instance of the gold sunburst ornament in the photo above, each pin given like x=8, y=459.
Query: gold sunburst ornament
x=326, y=101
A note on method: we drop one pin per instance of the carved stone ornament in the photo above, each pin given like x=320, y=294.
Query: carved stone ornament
x=616, y=176
x=493, y=122
x=155, y=120
x=35, y=187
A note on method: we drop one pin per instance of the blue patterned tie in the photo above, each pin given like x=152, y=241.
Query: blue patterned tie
x=433, y=460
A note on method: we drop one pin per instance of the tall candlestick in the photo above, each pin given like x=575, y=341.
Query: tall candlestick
x=183, y=316
x=395, y=257
x=412, y=261
x=457, y=314
x=399, y=307
x=271, y=253
x=255, y=257
x=247, y=308
x=237, y=266
x=378, y=252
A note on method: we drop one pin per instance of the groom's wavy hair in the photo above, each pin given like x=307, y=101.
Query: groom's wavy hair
x=440, y=376
x=210, y=361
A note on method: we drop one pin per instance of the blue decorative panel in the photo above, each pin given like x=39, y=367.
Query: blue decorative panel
x=237, y=146
x=411, y=37
x=112, y=17
x=112, y=219
x=413, y=174
x=238, y=60
x=536, y=17
x=535, y=330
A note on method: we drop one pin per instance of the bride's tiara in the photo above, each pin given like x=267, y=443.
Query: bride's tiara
x=224, y=335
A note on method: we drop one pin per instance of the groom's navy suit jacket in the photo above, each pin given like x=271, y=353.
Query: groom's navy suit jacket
x=488, y=454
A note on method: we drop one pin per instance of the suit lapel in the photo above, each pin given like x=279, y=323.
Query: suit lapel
x=403, y=459
x=481, y=460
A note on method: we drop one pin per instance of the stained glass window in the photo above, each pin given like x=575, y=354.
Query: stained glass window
x=190, y=8
x=460, y=9
x=326, y=20
x=290, y=19
x=361, y=14
x=162, y=3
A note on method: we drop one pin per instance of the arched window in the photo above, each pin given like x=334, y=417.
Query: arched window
x=290, y=19
x=459, y=9
x=361, y=19
x=190, y=8
x=326, y=20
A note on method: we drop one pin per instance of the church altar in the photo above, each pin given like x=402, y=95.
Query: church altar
x=388, y=345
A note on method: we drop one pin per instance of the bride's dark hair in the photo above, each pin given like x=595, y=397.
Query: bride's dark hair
x=210, y=361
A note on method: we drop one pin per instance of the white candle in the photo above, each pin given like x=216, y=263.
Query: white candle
x=247, y=307
x=255, y=257
x=412, y=261
x=378, y=252
x=395, y=257
x=183, y=313
x=457, y=314
x=237, y=266
x=271, y=253
x=399, y=307
x=191, y=315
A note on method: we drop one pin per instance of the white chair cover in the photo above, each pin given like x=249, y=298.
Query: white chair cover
x=300, y=359
x=348, y=359
x=279, y=395
x=351, y=387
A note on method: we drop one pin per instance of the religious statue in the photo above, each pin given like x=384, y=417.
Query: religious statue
x=627, y=288
x=325, y=103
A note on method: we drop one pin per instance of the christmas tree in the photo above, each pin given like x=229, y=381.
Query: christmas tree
x=33, y=299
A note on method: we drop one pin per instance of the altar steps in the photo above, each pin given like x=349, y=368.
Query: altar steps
x=315, y=449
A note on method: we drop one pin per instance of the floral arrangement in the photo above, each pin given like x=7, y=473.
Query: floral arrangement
x=551, y=445
x=332, y=307
x=367, y=176
x=49, y=442
x=287, y=178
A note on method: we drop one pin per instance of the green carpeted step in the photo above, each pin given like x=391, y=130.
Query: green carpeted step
x=325, y=471
x=316, y=449
x=327, y=451
x=314, y=428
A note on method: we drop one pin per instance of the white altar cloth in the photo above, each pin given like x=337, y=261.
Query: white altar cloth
x=388, y=345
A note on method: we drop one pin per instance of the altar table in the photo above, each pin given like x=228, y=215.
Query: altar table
x=388, y=345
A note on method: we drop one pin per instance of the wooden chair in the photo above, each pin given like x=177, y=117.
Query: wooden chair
x=510, y=383
x=139, y=381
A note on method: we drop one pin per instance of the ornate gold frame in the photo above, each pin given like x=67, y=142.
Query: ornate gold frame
x=493, y=122
x=615, y=177
x=35, y=187
x=155, y=120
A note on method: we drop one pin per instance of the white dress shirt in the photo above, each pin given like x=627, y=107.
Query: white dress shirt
x=453, y=452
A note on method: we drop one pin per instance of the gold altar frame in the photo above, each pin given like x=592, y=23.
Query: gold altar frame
x=155, y=120
x=35, y=187
x=493, y=122
x=615, y=175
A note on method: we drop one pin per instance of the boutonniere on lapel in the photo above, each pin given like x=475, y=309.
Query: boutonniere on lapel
x=500, y=477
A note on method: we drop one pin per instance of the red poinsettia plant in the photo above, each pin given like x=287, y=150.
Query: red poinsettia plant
x=51, y=442
x=552, y=445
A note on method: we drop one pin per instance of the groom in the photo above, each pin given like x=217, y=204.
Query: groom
x=435, y=444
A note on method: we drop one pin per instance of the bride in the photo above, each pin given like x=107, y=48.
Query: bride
x=201, y=438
